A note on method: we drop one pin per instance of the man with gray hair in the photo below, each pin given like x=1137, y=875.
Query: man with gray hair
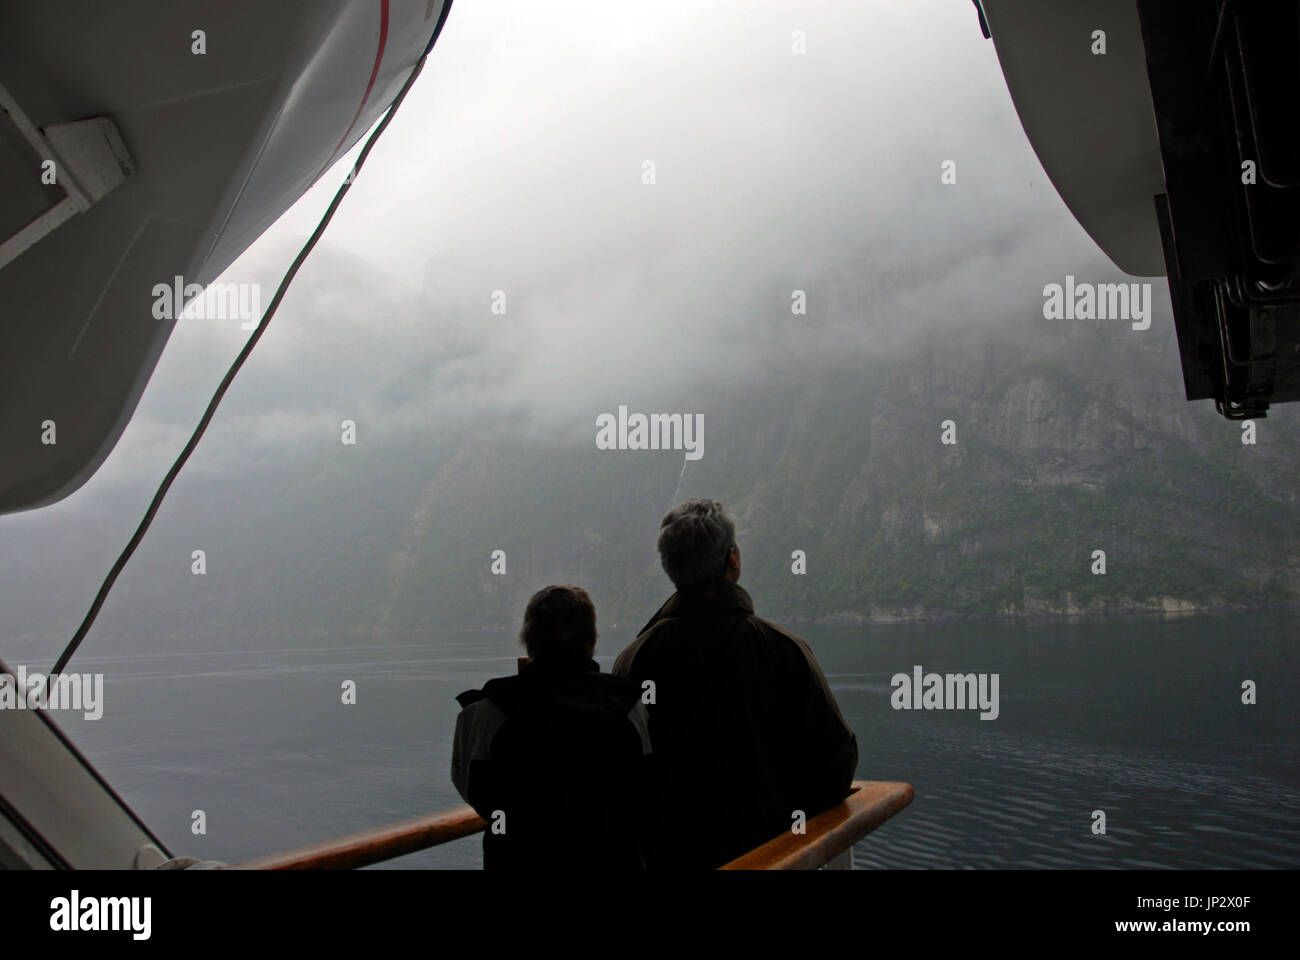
x=745, y=727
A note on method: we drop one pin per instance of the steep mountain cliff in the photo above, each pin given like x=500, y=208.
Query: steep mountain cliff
x=1068, y=439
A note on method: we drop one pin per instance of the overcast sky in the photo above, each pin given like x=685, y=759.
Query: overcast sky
x=516, y=164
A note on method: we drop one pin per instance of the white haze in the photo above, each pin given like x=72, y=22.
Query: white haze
x=516, y=164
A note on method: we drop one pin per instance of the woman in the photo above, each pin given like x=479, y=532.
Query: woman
x=554, y=759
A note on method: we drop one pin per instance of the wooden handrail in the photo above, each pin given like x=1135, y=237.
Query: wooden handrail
x=374, y=846
x=831, y=833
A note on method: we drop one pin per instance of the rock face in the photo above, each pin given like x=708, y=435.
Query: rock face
x=1074, y=452
x=1068, y=448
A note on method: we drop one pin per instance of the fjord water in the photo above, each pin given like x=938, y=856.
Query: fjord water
x=1139, y=717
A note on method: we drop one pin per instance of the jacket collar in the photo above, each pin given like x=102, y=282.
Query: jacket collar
x=531, y=668
x=714, y=598
x=535, y=682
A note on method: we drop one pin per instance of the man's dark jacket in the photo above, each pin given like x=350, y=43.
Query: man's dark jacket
x=558, y=756
x=745, y=728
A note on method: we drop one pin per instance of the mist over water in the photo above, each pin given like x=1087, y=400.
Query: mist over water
x=1139, y=717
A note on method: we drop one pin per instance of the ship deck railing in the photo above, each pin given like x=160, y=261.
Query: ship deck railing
x=827, y=840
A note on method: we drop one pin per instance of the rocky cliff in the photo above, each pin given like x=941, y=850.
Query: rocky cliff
x=1068, y=441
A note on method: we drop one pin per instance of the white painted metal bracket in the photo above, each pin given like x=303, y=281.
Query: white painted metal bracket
x=89, y=161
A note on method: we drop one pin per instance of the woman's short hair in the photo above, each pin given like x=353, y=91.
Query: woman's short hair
x=694, y=541
x=559, y=625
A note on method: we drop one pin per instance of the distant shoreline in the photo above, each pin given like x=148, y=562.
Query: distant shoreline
x=856, y=619
x=109, y=643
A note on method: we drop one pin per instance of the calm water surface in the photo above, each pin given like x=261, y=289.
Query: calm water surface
x=1141, y=718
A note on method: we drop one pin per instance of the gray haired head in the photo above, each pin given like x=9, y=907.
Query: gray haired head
x=694, y=541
